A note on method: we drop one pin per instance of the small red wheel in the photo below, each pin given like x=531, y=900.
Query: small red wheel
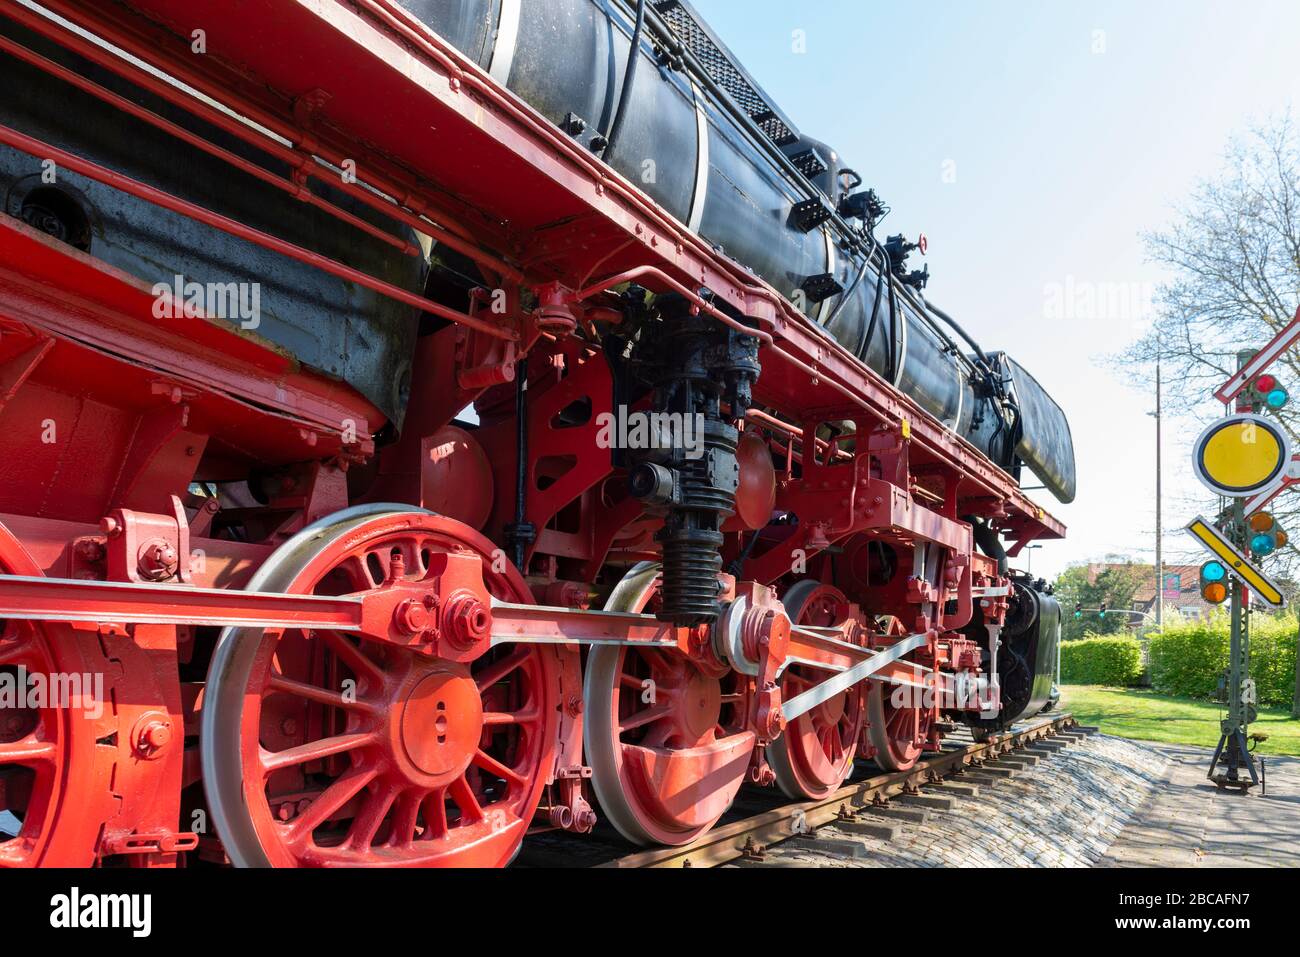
x=814, y=755
x=52, y=801
x=322, y=750
x=665, y=739
x=898, y=730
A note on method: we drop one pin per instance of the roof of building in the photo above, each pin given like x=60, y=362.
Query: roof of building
x=1144, y=598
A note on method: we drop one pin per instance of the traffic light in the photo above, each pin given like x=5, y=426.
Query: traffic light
x=1214, y=583
x=1078, y=609
x=1102, y=610
x=1266, y=536
x=1269, y=393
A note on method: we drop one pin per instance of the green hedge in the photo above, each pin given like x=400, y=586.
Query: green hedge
x=1094, y=660
x=1187, y=659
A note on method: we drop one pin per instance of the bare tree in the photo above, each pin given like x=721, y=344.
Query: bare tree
x=1234, y=250
x=1234, y=254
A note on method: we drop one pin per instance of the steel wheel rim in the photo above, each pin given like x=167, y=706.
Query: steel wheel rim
x=814, y=755
x=636, y=815
x=433, y=764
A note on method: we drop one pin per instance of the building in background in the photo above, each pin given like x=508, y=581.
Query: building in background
x=1181, y=592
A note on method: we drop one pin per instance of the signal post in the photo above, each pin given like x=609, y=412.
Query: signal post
x=1246, y=458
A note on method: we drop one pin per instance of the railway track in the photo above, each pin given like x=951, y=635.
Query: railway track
x=759, y=819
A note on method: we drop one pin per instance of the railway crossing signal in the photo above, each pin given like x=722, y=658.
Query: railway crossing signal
x=1214, y=583
x=1266, y=535
x=1247, y=458
x=1235, y=563
x=1269, y=393
x=1257, y=364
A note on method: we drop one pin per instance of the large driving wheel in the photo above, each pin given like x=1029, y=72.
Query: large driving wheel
x=665, y=739
x=814, y=755
x=322, y=748
x=53, y=800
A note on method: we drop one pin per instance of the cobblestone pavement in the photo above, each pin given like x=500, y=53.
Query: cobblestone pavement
x=1191, y=823
x=1063, y=808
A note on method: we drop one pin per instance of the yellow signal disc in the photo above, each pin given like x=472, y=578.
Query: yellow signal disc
x=1241, y=454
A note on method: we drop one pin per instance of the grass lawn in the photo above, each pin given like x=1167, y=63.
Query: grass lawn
x=1140, y=714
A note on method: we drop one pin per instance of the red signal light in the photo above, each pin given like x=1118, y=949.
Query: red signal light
x=1266, y=383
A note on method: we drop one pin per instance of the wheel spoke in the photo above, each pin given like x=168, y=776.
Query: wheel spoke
x=435, y=815
x=645, y=716
x=496, y=718
x=328, y=802
x=359, y=571
x=662, y=664
x=373, y=811
x=822, y=736
x=351, y=655
x=490, y=764
x=834, y=747
x=279, y=682
x=496, y=671
x=463, y=795
x=273, y=761
x=405, y=820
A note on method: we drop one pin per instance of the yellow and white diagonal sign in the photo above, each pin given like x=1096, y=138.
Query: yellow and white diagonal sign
x=1236, y=563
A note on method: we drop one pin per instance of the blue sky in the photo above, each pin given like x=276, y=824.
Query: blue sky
x=1033, y=141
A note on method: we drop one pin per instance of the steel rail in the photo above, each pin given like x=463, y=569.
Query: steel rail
x=748, y=837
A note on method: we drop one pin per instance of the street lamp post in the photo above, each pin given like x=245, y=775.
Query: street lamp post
x=1160, y=564
x=1029, y=559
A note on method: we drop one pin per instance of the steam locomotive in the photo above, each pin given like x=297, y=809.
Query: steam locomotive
x=443, y=420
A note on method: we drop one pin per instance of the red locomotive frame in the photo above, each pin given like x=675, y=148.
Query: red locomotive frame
x=111, y=566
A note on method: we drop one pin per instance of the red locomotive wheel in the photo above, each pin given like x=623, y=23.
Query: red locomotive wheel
x=323, y=750
x=52, y=800
x=898, y=734
x=814, y=755
x=665, y=740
